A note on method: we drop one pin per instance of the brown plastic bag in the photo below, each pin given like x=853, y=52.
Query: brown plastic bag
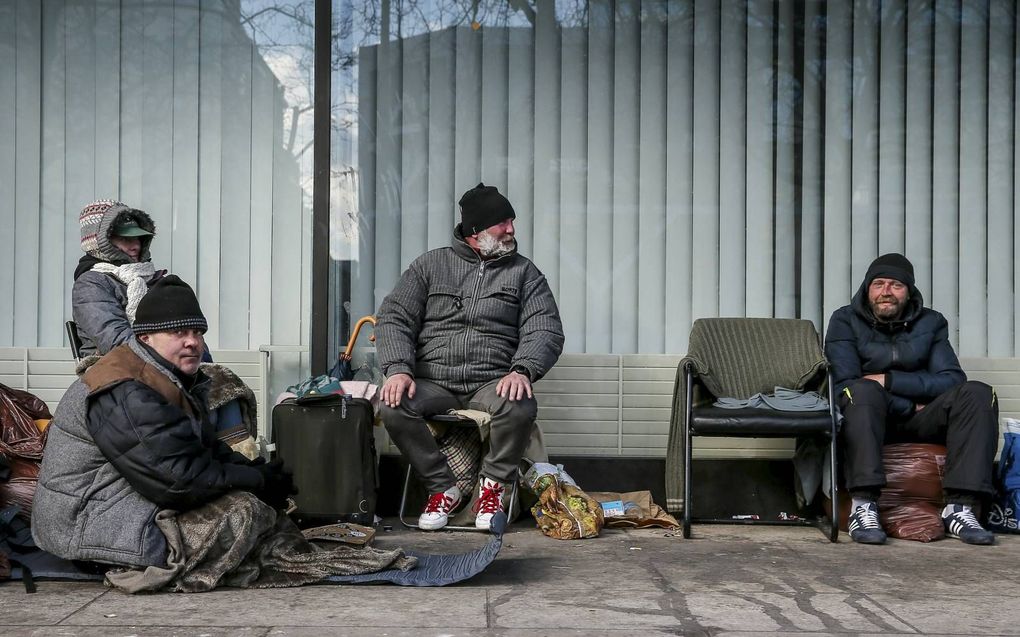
x=911, y=503
x=639, y=510
x=22, y=444
x=564, y=512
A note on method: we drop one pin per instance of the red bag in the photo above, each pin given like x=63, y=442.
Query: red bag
x=911, y=503
x=21, y=445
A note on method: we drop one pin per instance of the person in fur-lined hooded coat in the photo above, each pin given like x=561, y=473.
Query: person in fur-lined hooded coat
x=111, y=279
x=113, y=275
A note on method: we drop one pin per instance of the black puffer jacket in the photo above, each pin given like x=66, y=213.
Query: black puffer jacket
x=913, y=351
x=171, y=458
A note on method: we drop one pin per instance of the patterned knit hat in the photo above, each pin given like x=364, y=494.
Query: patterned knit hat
x=98, y=222
x=170, y=304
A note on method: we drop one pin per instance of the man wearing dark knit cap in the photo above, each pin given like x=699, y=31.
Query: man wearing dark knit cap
x=899, y=380
x=132, y=436
x=470, y=326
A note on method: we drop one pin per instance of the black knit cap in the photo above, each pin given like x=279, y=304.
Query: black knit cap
x=170, y=304
x=891, y=266
x=483, y=207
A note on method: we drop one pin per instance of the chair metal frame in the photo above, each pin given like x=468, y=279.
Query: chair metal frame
x=72, y=337
x=454, y=421
x=828, y=526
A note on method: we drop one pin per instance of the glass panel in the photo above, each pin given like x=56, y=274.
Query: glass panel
x=198, y=112
x=677, y=159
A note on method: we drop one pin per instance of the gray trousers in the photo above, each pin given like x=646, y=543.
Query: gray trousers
x=509, y=431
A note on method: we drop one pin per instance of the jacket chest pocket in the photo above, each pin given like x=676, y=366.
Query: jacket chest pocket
x=444, y=303
x=498, y=310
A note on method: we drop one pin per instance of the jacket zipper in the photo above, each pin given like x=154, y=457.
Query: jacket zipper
x=470, y=317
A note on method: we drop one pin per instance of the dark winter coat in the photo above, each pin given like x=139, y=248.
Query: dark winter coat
x=462, y=322
x=914, y=351
x=128, y=439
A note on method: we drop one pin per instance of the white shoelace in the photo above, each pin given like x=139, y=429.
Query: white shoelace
x=964, y=518
x=868, y=518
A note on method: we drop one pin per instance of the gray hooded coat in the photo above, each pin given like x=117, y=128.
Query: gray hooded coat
x=97, y=299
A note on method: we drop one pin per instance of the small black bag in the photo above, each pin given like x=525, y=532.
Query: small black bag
x=328, y=443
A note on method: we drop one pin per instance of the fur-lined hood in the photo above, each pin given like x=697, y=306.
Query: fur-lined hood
x=98, y=221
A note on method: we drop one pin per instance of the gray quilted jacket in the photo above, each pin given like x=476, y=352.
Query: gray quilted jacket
x=462, y=322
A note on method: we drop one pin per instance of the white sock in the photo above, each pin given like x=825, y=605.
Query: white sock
x=949, y=509
x=857, y=503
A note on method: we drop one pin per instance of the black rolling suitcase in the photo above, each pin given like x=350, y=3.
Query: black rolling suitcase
x=328, y=443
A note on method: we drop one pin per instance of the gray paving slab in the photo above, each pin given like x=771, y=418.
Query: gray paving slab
x=997, y=614
x=300, y=631
x=822, y=612
x=324, y=605
x=134, y=631
x=728, y=580
x=52, y=602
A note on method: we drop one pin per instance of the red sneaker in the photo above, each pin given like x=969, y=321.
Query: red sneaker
x=437, y=510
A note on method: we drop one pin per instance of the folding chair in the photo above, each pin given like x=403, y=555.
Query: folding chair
x=737, y=358
x=72, y=337
x=450, y=420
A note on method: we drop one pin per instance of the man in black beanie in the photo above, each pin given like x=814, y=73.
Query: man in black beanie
x=132, y=437
x=899, y=380
x=470, y=326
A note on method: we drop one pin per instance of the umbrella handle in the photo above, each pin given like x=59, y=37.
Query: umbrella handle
x=354, y=335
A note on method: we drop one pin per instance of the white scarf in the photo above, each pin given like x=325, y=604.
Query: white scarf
x=135, y=276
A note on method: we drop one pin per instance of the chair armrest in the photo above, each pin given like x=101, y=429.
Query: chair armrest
x=699, y=394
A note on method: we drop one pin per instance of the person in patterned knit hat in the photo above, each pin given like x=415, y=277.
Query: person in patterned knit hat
x=111, y=280
x=113, y=275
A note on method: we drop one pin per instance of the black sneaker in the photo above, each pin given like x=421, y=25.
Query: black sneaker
x=961, y=523
x=864, y=526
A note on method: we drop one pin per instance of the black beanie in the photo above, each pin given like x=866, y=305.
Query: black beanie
x=170, y=304
x=483, y=207
x=891, y=266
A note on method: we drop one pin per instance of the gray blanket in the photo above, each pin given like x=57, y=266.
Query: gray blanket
x=239, y=541
x=782, y=399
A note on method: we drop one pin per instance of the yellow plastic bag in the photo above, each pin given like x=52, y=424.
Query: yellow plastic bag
x=564, y=512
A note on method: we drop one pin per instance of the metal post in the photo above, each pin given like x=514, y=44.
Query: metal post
x=319, y=336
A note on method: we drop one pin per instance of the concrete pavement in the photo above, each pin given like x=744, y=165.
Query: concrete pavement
x=726, y=580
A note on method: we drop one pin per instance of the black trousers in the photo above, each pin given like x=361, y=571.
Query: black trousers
x=965, y=419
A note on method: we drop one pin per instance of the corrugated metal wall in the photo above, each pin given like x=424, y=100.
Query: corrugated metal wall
x=677, y=159
x=169, y=107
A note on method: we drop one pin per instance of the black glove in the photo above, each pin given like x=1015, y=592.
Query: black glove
x=267, y=468
x=277, y=484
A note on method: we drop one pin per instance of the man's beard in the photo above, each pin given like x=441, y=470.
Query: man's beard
x=888, y=312
x=490, y=247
